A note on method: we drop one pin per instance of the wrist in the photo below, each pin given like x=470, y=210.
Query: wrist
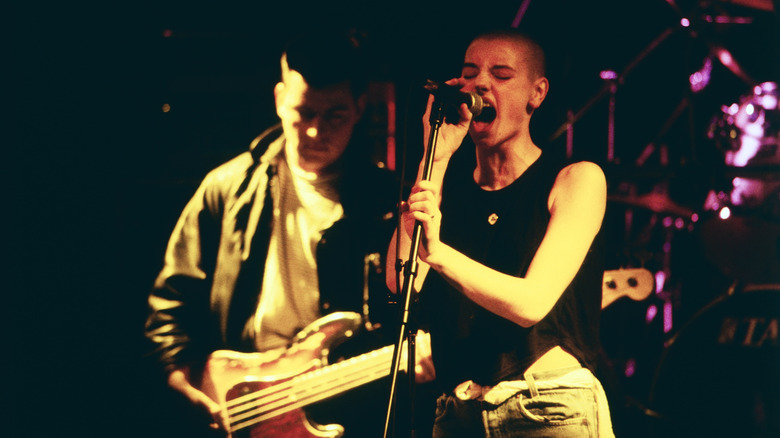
x=437, y=258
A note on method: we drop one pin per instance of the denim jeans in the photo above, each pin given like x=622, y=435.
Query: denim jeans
x=564, y=403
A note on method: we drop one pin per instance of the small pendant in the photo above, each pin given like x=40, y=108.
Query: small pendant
x=492, y=219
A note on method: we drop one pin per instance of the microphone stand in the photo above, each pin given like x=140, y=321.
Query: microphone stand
x=407, y=330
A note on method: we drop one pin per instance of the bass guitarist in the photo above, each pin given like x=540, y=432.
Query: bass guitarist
x=278, y=237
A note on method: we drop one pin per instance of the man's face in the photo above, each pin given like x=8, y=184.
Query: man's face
x=318, y=123
x=499, y=71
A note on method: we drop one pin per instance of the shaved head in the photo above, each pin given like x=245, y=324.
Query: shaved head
x=532, y=52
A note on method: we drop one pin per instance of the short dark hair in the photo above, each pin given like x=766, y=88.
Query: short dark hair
x=328, y=58
x=536, y=59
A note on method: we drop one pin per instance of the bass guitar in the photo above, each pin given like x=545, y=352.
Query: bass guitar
x=263, y=393
x=635, y=283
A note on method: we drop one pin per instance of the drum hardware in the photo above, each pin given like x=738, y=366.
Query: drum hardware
x=718, y=51
x=612, y=80
x=763, y=5
x=656, y=202
x=666, y=218
x=740, y=232
x=718, y=375
x=725, y=19
x=748, y=131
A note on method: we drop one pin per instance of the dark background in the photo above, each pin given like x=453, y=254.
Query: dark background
x=98, y=173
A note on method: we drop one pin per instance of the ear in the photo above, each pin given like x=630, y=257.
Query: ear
x=540, y=88
x=279, y=91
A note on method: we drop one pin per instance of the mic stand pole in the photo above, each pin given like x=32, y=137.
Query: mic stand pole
x=407, y=331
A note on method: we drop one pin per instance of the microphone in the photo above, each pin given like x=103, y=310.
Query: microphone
x=449, y=94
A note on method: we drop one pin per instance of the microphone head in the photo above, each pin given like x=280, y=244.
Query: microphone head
x=453, y=95
x=476, y=104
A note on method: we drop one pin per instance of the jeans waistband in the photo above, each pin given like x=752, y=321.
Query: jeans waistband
x=569, y=377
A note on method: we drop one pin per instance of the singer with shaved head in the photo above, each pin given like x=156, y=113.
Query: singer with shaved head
x=511, y=261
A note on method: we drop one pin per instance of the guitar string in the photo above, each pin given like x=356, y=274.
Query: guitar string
x=306, y=401
x=281, y=390
x=266, y=411
x=377, y=354
x=276, y=399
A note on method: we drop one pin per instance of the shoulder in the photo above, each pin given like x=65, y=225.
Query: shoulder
x=262, y=152
x=581, y=185
x=234, y=169
x=247, y=171
x=581, y=173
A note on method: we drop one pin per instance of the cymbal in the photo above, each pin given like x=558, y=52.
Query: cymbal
x=655, y=202
x=764, y=5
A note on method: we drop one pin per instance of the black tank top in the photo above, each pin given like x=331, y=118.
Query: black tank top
x=502, y=229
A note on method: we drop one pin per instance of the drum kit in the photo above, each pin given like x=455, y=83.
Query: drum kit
x=742, y=230
x=738, y=223
x=710, y=344
x=725, y=351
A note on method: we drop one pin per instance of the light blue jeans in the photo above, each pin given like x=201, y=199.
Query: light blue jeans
x=568, y=402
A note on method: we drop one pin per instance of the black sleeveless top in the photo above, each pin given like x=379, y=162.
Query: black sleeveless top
x=502, y=229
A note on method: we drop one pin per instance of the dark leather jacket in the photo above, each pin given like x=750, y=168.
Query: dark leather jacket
x=215, y=258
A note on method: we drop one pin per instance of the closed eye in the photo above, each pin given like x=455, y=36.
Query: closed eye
x=469, y=72
x=502, y=72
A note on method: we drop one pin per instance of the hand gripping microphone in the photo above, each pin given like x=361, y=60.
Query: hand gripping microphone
x=451, y=95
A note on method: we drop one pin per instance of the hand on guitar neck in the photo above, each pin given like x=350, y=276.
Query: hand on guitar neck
x=635, y=283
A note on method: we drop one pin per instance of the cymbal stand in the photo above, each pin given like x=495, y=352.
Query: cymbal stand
x=656, y=143
x=609, y=88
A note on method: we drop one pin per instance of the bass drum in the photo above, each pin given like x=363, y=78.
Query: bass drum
x=741, y=239
x=720, y=374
